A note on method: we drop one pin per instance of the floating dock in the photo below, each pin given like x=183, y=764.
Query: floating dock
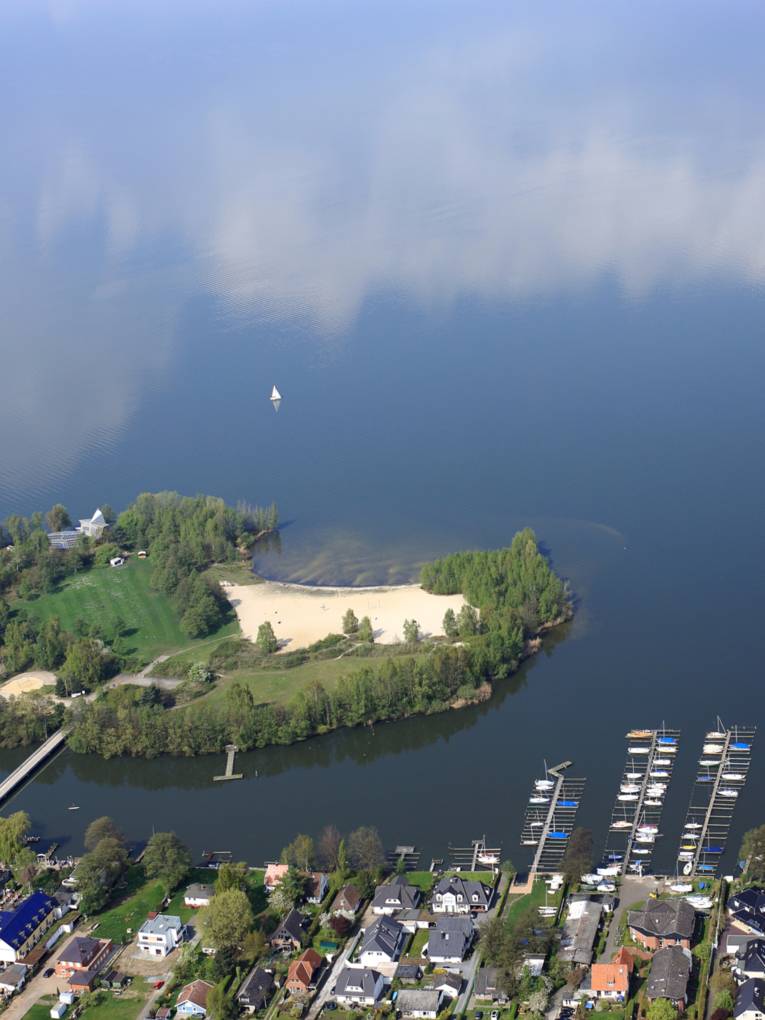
x=550, y=816
x=721, y=775
x=476, y=857
x=636, y=817
x=231, y=750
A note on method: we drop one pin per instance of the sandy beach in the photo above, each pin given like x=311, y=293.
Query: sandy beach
x=23, y=683
x=301, y=615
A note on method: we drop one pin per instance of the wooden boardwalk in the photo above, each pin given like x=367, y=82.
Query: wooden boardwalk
x=31, y=764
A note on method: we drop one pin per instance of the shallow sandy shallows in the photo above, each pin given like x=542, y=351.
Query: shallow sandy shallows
x=302, y=615
x=23, y=683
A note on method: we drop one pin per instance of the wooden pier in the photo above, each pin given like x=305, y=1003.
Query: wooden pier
x=650, y=763
x=547, y=826
x=231, y=750
x=476, y=857
x=713, y=799
x=30, y=765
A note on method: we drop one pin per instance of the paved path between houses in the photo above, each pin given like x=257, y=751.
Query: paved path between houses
x=631, y=891
x=469, y=969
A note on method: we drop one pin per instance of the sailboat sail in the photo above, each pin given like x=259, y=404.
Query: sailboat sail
x=275, y=394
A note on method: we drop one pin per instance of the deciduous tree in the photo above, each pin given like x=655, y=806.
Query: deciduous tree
x=299, y=853
x=328, y=847
x=411, y=632
x=365, y=848
x=102, y=828
x=266, y=639
x=228, y=920
x=350, y=622
x=366, y=631
x=167, y=859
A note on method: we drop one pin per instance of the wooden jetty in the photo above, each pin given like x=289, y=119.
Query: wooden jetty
x=231, y=750
x=728, y=753
x=650, y=762
x=476, y=857
x=548, y=825
x=30, y=765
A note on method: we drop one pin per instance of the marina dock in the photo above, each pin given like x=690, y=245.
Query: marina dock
x=30, y=765
x=550, y=816
x=721, y=775
x=636, y=816
x=231, y=750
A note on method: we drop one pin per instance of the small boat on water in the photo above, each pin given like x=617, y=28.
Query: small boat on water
x=659, y=774
x=688, y=846
x=733, y=777
x=627, y=796
x=693, y=825
x=536, y=825
x=638, y=749
x=640, y=734
x=629, y=788
x=688, y=868
x=634, y=775
x=622, y=824
x=653, y=803
x=640, y=850
x=705, y=779
x=608, y=870
x=690, y=835
x=590, y=879
x=649, y=829
x=568, y=803
x=557, y=835
x=539, y=800
x=529, y=842
x=712, y=850
x=740, y=745
x=74, y=807
x=715, y=735
x=662, y=761
x=543, y=784
x=728, y=793
x=275, y=394
x=712, y=749
x=485, y=858
x=684, y=855
x=645, y=837
x=666, y=740
x=700, y=902
x=707, y=867
x=615, y=857
x=708, y=762
x=606, y=887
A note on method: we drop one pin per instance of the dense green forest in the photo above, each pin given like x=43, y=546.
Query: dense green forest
x=517, y=594
x=184, y=536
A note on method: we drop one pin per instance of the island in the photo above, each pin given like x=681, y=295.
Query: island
x=148, y=633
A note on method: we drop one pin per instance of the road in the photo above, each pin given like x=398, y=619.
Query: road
x=631, y=891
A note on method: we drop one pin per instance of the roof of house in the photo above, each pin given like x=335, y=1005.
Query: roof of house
x=450, y=938
x=418, y=999
x=357, y=980
x=14, y=975
x=486, y=980
x=81, y=950
x=409, y=972
x=751, y=996
x=382, y=936
x=470, y=889
x=453, y=981
x=18, y=924
x=160, y=924
x=257, y=987
x=623, y=955
x=396, y=894
x=317, y=884
x=579, y=933
x=751, y=899
x=670, y=970
x=753, y=958
x=275, y=873
x=83, y=978
x=199, y=891
x=610, y=977
x=196, y=992
x=293, y=926
x=665, y=917
x=349, y=898
x=303, y=969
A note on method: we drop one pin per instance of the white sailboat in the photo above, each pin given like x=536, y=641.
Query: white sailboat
x=275, y=394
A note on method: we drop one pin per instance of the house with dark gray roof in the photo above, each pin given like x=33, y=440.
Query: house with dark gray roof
x=12, y=979
x=751, y=963
x=256, y=991
x=487, y=985
x=450, y=940
x=668, y=978
x=663, y=923
x=361, y=985
x=419, y=1002
x=382, y=942
x=395, y=896
x=450, y=985
x=747, y=910
x=457, y=895
x=291, y=933
x=750, y=1001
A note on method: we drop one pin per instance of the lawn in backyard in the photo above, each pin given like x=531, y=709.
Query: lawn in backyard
x=137, y=900
x=106, y=595
x=124, y=1006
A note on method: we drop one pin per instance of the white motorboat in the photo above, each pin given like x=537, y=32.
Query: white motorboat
x=700, y=902
x=645, y=837
x=715, y=735
x=733, y=777
x=489, y=859
x=659, y=774
x=627, y=796
x=646, y=827
x=606, y=887
x=629, y=788
x=539, y=800
x=662, y=761
x=688, y=868
x=640, y=850
x=622, y=824
x=611, y=869
x=693, y=825
x=728, y=793
x=681, y=887
x=634, y=775
x=712, y=749
x=536, y=825
x=653, y=803
x=684, y=855
x=544, y=784
x=709, y=763
x=690, y=835
x=638, y=750
x=529, y=842
x=591, y=879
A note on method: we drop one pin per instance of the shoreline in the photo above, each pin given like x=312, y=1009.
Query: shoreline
x=303, y=614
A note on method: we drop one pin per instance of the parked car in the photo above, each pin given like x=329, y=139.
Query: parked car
x=49, y=972
x=495, y=1014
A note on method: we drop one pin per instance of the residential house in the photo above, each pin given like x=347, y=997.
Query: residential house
x=449, y=985
x=22, y=927
x=663, y=923
x=751, y=963
x=487, y=985
x=291, y=933
x=256, y=991
x=274, y=874
x=747, y=910
x=198, y=895
x=67, y=899
x=580, y=930
x=94, y=526
x=670, y=971
x=733, y=941
x=450, y=940
x=409, y=972
x=192, y=1000
x=382, y=942
x=317, y=887
x=347, y=902
x=12, y=979
x=160, y=934
x=610, y=981
x=394, y=896
x=750, y=1001
x=361, y=986
x=419, y=1002
x=533, y=964
x=81, y=954
x=82, y=981
x=456, y=895
x=302, y=972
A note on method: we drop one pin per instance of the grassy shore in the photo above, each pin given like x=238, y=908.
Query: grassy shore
x=106, y=595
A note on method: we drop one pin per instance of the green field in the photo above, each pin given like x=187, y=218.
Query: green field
x=138, y=899
x=41, y=1009
x=123, y=1006
x=518, y=905
x=108, y=594
x=424, y=880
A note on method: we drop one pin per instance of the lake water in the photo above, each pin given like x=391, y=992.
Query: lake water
x=506, y=266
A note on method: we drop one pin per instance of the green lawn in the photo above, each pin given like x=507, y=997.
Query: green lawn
x=138, y=899
x=518, y=905
x=105, y=594
x=41, y=1009
x=418, y=943
x=424, y=880
x=124, y=1006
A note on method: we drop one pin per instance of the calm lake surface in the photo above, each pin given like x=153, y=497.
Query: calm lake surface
x=505, y=264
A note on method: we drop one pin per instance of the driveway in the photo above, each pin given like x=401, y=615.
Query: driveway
x=631, y=891
x=333, y=974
